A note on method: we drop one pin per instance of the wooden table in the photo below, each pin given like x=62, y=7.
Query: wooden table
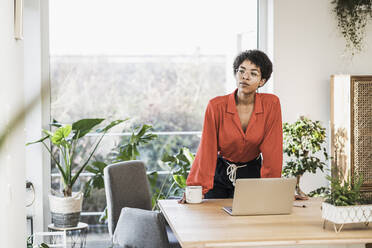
x=207, y=225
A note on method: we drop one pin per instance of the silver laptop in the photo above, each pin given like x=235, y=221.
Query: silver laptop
x=262, y=196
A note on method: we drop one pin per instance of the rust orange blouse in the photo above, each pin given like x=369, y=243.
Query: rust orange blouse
x=222, y=134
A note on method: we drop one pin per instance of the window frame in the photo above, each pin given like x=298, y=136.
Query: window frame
x=264, y=33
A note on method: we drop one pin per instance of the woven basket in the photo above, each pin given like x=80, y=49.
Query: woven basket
x=65, y=211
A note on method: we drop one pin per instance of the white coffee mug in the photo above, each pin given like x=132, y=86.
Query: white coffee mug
x=194, y=194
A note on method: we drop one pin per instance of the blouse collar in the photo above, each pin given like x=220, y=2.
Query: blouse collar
x=231, y=105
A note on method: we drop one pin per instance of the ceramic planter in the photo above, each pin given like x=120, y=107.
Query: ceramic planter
x=340, y=215
x=65, y=211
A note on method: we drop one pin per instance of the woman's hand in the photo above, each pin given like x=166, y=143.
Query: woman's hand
x=301, y=198
x=183, y=199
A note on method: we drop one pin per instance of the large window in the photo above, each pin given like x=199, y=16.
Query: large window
x=156, y=62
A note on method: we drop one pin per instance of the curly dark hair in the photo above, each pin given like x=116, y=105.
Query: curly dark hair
x=258, y=58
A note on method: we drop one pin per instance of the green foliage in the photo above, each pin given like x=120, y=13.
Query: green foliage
x=178, y=166
x=157, y=193
x=60, y=135
x=30, y=243
x=95, y=181
x=170, y=144
x=352, y=17
x=65, y=139
x=129, y=151
x=104, y=216
x=344, y=192
x=319, y=192
x=302, y=140
x=125, y=152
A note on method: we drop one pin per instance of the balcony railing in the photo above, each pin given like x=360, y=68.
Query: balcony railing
x=164, y=172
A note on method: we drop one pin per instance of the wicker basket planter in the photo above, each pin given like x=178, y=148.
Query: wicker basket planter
x=65, y=211
x=340, y=215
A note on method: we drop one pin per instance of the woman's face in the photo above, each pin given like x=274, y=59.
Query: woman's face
x=248, y=77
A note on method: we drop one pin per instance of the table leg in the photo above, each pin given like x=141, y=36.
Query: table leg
x=78, y=238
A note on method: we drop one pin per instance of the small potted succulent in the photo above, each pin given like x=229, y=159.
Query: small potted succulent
x=66, y=210
x=344, y=203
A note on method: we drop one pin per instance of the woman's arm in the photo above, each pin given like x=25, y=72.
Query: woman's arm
x=203, y=168
x=272, y=144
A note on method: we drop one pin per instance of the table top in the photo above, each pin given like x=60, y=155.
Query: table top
x=207, y=225
x=80, y=226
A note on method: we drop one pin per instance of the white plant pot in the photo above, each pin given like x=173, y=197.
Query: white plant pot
x=66, y=210
x=346, y=214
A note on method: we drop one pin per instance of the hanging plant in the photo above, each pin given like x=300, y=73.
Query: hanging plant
x=352, y=17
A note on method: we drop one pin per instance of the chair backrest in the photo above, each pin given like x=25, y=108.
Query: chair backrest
x=126, y=185
x=141, y=228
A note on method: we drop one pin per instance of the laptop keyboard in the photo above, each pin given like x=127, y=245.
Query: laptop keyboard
x=228, y=210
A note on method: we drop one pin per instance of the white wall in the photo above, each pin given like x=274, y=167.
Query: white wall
x=12, y=153
x=308, y=48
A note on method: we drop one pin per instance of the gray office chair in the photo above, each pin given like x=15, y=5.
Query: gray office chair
x=131, y=222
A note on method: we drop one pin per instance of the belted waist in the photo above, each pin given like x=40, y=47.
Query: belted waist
x=232, y=167
x=240, y=163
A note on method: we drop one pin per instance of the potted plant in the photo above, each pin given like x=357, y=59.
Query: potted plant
x=302, y=140
x=352, y=17
x=179, y=167
x=66, y=210
x=343, y=202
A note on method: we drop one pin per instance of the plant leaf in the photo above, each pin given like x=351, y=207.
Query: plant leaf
x=180, y=180
x=153, y=178
x=84, y=126
x=99, y=165
x=47, y=132
x=61, y=134
x=111, y=125
x=38, y=141
x=56, y=123
x=168, y=158
x=91, y=169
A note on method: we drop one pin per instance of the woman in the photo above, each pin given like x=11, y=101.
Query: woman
x=242, y=133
